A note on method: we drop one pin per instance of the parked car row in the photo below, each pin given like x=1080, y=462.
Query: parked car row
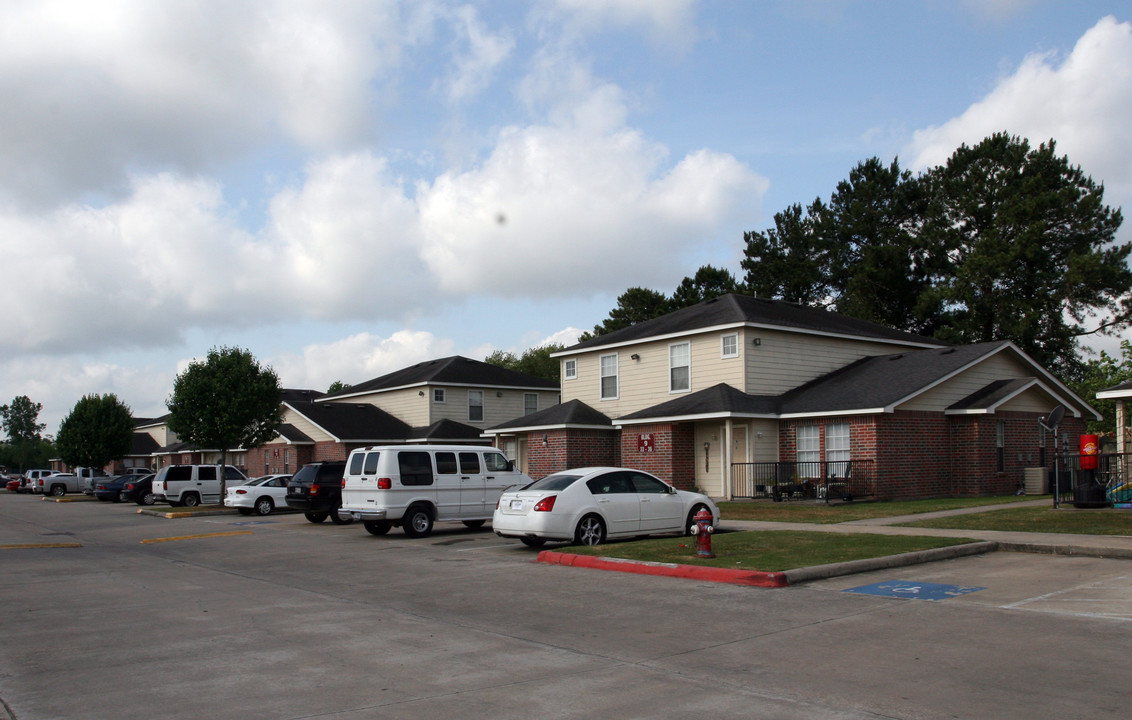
x=415, y=486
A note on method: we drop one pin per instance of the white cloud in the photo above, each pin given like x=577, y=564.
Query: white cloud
x=667, y=20
x=478, y=54
x=564, y=210
x=357, y=358
x=1081, y=102
x=104, y=88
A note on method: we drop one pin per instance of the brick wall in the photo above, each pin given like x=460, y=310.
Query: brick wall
x=554, y=450
x=674, y=457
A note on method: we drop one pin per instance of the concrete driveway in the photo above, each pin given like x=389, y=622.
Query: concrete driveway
x=115, y=615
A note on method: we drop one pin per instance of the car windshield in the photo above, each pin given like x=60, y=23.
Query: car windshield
x=257, y=481
x=553, y=482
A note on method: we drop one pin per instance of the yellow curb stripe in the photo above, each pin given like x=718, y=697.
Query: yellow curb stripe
x=30, y=546
x=194, y=537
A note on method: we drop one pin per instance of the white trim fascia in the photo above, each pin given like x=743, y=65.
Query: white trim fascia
x=1065, y=390
x=837, y=413
x=694, y=418
x=758, y=326
x=990, y=409
x=1114, y=394
x=340, y=398
x=542, y=428
x=329, y=434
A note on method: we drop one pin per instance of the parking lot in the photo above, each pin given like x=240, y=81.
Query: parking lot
x=111, y=614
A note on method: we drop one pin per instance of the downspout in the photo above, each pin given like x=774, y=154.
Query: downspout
x=728, y=456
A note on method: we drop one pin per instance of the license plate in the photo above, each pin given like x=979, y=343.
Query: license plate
x=516, y=504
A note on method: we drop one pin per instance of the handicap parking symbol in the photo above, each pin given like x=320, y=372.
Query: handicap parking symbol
x=914, y=590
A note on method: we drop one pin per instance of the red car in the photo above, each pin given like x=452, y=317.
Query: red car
x=13, y=485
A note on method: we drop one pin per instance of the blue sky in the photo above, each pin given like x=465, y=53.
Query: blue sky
x=348, y=188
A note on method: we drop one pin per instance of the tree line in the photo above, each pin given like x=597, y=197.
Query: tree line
x=1004, y=241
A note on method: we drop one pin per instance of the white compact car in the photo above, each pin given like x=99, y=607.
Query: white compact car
x=261, y=495
x=589, y=505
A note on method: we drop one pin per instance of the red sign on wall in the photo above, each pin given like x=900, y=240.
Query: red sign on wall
x=646, y=443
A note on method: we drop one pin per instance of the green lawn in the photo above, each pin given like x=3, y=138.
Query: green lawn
x=808, y=511
x=1045, y=519
x=768, y=551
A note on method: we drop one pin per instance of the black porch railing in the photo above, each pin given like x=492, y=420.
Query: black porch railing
x=838, y=480
x=1107, y=483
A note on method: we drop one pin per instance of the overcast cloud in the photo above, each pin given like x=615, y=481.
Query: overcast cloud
x=398, y=173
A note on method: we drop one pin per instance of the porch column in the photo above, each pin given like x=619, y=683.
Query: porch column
x=1120, y=426
x=728, y=456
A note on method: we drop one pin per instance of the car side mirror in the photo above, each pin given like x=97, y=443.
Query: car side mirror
x=510, y=466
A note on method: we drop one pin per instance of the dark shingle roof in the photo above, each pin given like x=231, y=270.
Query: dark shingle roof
x=455, y=370
x=721, y=399
x=447, y=432
x=742, y=309
x=353, y=422
x=992, y=394
x=574, y=412
x=143, y=444
x=883, y=380
x=293, y=435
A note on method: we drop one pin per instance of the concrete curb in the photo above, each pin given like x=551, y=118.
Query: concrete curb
x=692, y=572
x=1078, y=550
x=174, y=514
x=757, y=578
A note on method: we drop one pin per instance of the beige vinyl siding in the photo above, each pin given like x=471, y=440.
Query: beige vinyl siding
x=1001, y=366
x=782, y=360
x=765, y=448
x=499, y=406
x=305, y=426
x=645, y=382
x=1033, y=400
x=161, y=435
x=408, y=405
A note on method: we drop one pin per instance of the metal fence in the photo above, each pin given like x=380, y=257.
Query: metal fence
x=1105, y=484
x=839, y=480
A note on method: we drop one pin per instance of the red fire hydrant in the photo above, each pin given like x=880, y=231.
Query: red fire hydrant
x=702, y=529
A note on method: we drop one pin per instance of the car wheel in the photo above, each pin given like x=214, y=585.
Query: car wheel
x=121, y=497
x=58, y=490
x=190, y=500
x=590, y=531
x=377, y=527
x=692, y=518
x=315, y=517
x=147, y=499
x=473, y=524
x=417, y=522
x=264, y=506
x=338, y=519
x=244, y=511
x=533, y=542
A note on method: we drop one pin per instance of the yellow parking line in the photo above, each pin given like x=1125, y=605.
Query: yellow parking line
x=194, y=537
x=29, y=546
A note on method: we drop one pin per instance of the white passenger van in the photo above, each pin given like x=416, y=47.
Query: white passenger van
x=416, y=485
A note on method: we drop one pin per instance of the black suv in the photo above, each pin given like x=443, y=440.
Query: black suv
x=316, y=489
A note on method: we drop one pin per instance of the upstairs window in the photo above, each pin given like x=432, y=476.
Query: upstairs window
x=679, y=367
x=729, y=346
x=609, y=377
x=530, y=403
x=475, y=406
x=570, y=369
x=438, y=395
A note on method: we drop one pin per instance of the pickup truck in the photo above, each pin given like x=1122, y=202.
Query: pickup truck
x=58, y=484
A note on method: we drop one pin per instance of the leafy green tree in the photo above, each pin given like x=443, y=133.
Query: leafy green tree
x=227, y=401
x=336, y=386
x=97, y=431
x=792, y=260
x=25, y=446
x=534, y=361
x=1026, y=250
x=20, y=419
x=878, y=266
x=1100, y=374
x=708, y=283
x=635, y=305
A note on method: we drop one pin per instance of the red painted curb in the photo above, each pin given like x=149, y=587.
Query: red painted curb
x=753, y=578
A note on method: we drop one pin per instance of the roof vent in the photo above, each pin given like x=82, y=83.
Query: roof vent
x=947, y=351
x=895, y=357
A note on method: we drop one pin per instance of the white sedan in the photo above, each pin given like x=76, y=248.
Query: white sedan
x=261, y=495
x=589, y=505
